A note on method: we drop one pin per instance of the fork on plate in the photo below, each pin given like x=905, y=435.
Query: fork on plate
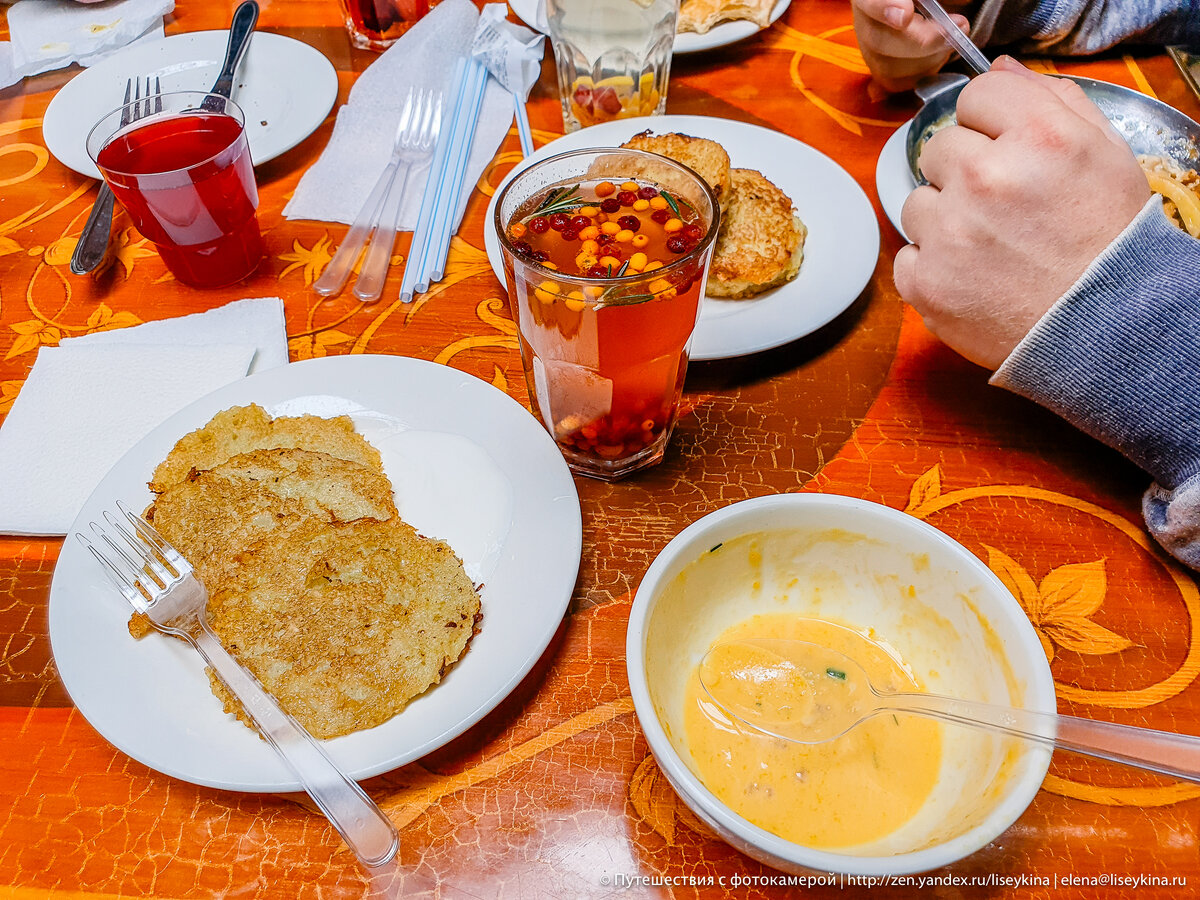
x=93, y=241
x=156, y=580
x=378, y=220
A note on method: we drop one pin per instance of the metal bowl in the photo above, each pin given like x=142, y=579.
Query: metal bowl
x=1149, y=126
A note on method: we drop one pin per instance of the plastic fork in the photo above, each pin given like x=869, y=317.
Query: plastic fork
x=416, y=144
x=156, y=580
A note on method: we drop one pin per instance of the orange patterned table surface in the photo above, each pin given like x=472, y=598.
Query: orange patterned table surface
x=554, y=794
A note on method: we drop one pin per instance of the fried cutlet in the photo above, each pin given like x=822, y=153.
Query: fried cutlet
x=707, y=158
x=761, y=241
x=241, y=429
x=345, y=624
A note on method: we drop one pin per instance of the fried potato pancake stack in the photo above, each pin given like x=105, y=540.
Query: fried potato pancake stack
x=342, y=610
x=701, y=15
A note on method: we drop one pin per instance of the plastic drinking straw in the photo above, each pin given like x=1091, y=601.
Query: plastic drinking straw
x=523, y=130
x=460, y=152
x=434, y=185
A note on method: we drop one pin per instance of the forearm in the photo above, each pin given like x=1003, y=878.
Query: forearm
x=1080, y=27
x=1119, y=356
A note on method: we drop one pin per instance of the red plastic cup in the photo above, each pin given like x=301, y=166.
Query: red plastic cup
x=181, y=167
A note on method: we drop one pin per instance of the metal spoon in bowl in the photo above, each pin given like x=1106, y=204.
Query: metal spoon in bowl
x=810, y=694
x=966, y=47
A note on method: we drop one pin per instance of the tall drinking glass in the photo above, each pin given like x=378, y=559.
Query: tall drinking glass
x=613, y=57
x=605, y=255
x=377, y=24
x=180, y=165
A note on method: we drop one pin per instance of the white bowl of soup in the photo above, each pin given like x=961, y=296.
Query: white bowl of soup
x=898, y=794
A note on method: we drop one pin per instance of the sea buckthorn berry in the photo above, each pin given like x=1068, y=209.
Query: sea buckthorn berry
x=640, y=240
x=585, y=261
x=549, y=265
x=641, y=205
x=647, y=192
x=604, y=238
x=579, y=222
x=539, y=224
x=589, y=233
x=632, y=223
x=693, y=232
x=604, y=188
x=660, y=215
x=592, y=291
x=638, y=260
x=651, y=266
x=546, y=291
x=516, y=231
x=575, y=304
x=626, y=198
x=630, y=186
x=559, y=221
x=570, y=233
x=624, y=236
x=588, y=245
x=658, y=285
x=670, y=226
x=610, y=261
x=611, y=205
x=597, y=271
x=658, y=202
x=610, y=228
x=677, y=243
x=590, y=211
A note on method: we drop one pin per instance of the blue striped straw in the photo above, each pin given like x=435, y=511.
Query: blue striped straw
x=465, y=121
x=523, y=130
x=433, y=188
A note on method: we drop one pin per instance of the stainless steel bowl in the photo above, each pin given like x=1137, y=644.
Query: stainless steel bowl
x=1149, y=126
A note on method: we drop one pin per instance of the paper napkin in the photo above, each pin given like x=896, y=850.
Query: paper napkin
x=337, y=184
x=50, y=34
x=90, y=399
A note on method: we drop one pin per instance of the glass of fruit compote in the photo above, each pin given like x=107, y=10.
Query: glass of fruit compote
x=606, y=252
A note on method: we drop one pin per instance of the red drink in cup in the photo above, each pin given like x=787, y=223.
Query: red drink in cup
x=606, y=253
x=377, y=24
x=184, y=175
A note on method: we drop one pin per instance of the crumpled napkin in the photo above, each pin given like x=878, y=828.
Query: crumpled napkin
x=91, y=398
x=336, y=185
x=51, y=34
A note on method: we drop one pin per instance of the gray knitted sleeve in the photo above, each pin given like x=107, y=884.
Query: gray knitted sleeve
x=1118, y=356
x=1079, y=27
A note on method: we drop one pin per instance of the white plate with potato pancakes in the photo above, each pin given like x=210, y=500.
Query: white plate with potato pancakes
x=839, y=250
x=468, y=467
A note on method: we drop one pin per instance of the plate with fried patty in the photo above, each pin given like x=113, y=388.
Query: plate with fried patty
x=469, y=466
x=840, y=249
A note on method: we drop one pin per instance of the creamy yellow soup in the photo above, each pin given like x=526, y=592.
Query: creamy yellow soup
x=852, y=790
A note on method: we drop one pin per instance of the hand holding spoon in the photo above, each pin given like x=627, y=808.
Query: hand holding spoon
x=810, y=694
x=967, y=49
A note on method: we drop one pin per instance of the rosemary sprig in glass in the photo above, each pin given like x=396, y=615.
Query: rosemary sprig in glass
x=562, y=200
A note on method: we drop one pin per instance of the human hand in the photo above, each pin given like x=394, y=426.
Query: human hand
x=900, y=47
x=1025, y=192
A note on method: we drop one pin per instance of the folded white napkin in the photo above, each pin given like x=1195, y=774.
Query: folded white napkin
x=90, y=399
x=336, y=185
x=50, y=34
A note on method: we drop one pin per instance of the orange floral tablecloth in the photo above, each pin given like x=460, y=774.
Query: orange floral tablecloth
x=554, y=794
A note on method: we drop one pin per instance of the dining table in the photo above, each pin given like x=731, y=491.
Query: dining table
x=554, y=793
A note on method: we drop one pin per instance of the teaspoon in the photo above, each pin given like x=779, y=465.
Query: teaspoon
x=810, y=694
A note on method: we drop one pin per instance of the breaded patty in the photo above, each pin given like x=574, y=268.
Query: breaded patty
x=214, y=514
x=345, y=624
x=707, y=158
x=761, y=241
x=701, y=15
x=241, y=429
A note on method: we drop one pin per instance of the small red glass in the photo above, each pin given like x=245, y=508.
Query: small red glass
x=377, y=24
x=181, y=167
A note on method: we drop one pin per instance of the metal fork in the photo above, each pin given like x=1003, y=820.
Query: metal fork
x=93, y=241
x=418, y=113
x=156, y=580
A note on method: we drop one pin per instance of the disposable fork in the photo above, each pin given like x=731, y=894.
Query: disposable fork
x=415, y=146
x=156, y=580
x=338, y=270
x=93, y=240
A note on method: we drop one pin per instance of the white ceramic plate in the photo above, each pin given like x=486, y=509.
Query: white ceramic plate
x=687, y=42
x=284, y=86
x=893, y=178
x=839, y=254
x=469, y=465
